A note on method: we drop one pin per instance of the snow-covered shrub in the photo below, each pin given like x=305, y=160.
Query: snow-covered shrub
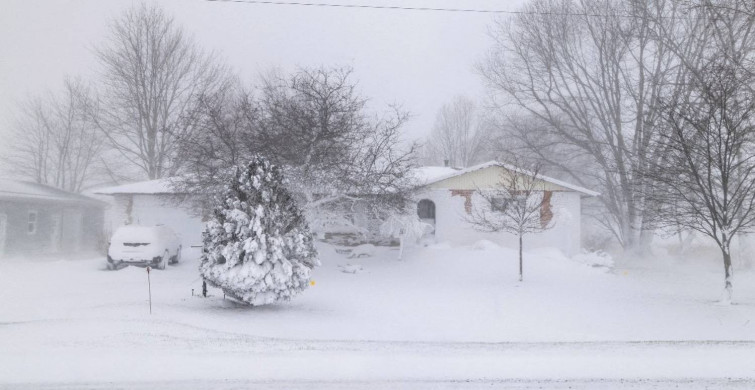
x=364, y=250
x=485, y=245
x=257, y=245
x=408, y=227
x=405, y=227
x=351, y=268
x=324, y=220
x=594, y=259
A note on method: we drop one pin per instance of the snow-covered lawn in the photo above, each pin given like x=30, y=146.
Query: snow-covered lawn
x=442, y=314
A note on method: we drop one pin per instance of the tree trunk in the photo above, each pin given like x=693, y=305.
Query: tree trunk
x=726, y=299
x=520, y=257
x=637, y=241
x=646, y=241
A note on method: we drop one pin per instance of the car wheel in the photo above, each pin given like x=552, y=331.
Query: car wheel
x=177, y=257
x=110, y=266
x=163, y=260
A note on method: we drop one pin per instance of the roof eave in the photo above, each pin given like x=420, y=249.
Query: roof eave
x=48, y=199
x=584, y=192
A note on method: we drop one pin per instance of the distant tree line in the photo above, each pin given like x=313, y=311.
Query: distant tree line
x=127, y=123
x=461, y=135
x=164, y=107
x=54, y=141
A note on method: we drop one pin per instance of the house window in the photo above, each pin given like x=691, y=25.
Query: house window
x=499, y=204
x=32, y=225
x=502, y=203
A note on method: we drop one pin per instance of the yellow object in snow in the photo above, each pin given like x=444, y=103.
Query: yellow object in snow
x=311, y=282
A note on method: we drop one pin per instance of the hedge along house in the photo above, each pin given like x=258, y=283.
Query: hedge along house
x=36, y=219
x=446, y=198
x=154, y=202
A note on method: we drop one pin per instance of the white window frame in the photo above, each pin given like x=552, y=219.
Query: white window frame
x=31, y=225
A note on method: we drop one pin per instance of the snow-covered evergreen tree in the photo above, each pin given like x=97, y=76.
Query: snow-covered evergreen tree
x=257, y=246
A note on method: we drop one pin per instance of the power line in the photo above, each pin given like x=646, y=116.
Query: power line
x=404, y=8
x=364, y=6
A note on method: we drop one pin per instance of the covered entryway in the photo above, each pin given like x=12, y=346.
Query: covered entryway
x=426, y=212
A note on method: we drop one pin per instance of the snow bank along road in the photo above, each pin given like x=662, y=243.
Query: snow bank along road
x=444, y=318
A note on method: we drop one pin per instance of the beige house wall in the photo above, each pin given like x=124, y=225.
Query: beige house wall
x=486, y=178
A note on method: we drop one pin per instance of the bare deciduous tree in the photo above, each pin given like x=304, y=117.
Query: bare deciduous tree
x=585, y=78
x=706, y=179
x=460, y=135
x=707, y=182
x=315, y=124
x=154, y=75
x=519, y=205
x=54, y=141
x=224, y=135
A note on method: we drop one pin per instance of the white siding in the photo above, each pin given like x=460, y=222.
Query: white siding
x=452, y=223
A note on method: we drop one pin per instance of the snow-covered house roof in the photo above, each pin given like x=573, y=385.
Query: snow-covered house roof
x=157, y=186
x=423, y=176
x=428, y=175
x=17, y=189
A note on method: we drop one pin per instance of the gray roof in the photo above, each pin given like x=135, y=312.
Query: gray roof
x=24, y=190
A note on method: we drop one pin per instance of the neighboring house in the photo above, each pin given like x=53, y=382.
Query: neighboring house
x=38, y=219
x=154, y=202
x=447, y=196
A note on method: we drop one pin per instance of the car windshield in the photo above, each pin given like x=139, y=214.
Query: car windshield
x=140, y=234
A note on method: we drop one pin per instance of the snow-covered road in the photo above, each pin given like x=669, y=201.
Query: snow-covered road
x=515, y=384
x=236, y=361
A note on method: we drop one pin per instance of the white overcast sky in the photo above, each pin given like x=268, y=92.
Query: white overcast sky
x=414, y=58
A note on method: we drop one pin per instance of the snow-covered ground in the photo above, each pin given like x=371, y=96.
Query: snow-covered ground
x=444, y=317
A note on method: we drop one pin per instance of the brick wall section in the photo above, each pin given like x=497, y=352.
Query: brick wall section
x=467, y=194
x=546, y=214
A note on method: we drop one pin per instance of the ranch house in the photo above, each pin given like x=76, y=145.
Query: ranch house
x=446, y=197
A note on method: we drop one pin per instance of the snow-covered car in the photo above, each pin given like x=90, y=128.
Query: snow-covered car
x=154, y=246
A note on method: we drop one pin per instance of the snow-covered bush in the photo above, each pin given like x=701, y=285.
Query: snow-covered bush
x=409, y=227
x=257, y=245
x=405, y=227
x=594, y=258
x=331, y=220
x=351, y=268
x=485, y=245
x=364, y=250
